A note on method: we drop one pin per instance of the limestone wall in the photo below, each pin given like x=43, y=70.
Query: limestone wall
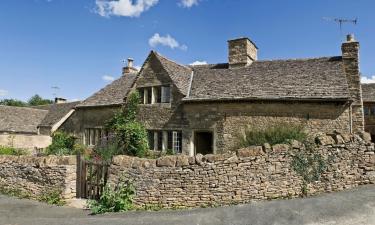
x=255, y=173
x=25, y=141
x=36, y=175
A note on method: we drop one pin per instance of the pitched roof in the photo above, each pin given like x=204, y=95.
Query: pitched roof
x=179, y=74
x=316, y=78
x=56, y=112
x=368, y=92
x=20, y=119
x=112, y=94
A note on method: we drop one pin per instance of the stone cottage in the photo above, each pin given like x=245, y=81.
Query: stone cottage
x=369, y=108
x=202, y=109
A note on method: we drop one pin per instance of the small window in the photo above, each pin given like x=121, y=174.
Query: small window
x=177, y=141
x=94, y=136
x=157, y=94
x=165, y=94
x=141, y=96
x=160, y=140
x=149, y=95
x=170, y=140
x=150, y=134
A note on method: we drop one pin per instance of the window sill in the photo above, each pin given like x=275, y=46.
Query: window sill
x=162, y=105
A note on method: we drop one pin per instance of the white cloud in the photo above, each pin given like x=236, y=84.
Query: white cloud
x=108, y=78
x=366, y=80
x=196, y=63
x=188, y=3
x=3, y=92
x=127, y=8
x=167, y=40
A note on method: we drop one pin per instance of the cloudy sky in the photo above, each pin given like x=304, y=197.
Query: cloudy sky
x=79, y=45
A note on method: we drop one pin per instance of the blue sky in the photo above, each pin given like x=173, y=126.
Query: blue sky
x=78, y=45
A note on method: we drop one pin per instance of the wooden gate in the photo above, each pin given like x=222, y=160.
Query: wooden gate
x=91, y=177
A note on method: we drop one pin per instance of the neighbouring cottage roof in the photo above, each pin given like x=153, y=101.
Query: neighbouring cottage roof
x=20, y=119
x=179, y=74
x=112, y=94
x=313, y=79
x=368, y=92
x=56, y=112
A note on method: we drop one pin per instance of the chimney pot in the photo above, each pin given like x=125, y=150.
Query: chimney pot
x=130, y=62
x=350, y=38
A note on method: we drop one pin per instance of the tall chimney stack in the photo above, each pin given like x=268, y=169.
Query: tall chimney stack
x=242, y=52
x=129, y=68
x=350, y=58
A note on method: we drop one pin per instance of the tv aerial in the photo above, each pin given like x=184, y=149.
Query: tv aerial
x=342, y=21
x=55, y=90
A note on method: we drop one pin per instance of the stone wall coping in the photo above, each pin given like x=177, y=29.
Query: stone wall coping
x=40, y=161
x=228, y=157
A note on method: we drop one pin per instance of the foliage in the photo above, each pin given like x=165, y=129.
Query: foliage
x=13, y=102
x=309, y=165
x=52, y=197
x=130, y=134
x=118, y=199
x=33, y=101
x=14, y=192
x=105, y=152
x=11, y=151
x=37, y=100
x=280, y=133
x=63, y=144
x=170, y=152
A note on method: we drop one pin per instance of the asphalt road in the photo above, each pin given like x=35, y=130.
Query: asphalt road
x=355, y=206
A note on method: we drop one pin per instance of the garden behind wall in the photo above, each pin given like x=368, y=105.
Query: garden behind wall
x=254, y=173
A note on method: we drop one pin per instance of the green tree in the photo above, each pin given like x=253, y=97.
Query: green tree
x=130, y=134
x=37, y=100
x=13, y=102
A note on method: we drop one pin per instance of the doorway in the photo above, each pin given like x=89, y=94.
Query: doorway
x=203, y=142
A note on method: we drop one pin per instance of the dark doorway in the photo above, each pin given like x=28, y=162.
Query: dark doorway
x=203, y=142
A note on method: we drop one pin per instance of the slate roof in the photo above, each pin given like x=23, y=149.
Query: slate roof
x=179, y=74
x=112, y=94
x=313, y=79
x=20, y=119
x=368, y=92
x=56, y=112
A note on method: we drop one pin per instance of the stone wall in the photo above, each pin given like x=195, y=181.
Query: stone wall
x=254, y=173
x=36, y=175
x=25, y=141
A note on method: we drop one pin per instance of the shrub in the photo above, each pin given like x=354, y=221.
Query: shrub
x=105, y=152
x=280, y=133
x=12, y=151
x=118, y=199
x=63, y=144
x=52, y=197
x=309, y=165
x=130, y=134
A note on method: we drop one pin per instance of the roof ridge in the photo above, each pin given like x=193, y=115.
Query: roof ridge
x=172, y=61
x=23, y=107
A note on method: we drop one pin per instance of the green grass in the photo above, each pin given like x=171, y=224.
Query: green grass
x=11, y=151
x=280, y=133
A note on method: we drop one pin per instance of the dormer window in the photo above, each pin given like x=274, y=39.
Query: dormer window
x=156, y=94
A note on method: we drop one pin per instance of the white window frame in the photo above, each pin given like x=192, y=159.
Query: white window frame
x=176, y=145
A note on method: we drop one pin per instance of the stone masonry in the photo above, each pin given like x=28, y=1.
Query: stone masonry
x=253, y=173
x=36, y=175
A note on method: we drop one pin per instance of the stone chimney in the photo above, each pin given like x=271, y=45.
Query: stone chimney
x=242, y=52
x=350, y=58
x=129, y=68
x=60, y=100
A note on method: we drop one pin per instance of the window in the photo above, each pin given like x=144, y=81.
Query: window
x=150, y=135
x=94, y=136
x=165, y=94
x=366, y=110
x=177, y=141
x=173, y=140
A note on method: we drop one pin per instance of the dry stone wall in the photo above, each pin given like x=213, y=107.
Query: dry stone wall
x=254, y=173
x=37, y=175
